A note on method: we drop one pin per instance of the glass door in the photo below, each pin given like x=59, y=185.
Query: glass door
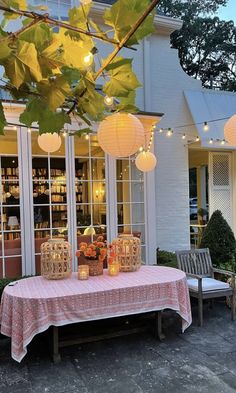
x=10, y=212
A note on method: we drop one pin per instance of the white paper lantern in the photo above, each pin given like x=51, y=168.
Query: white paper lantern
x=121, y=135
x=230, y=131
x=49, y=142
x=145, y=161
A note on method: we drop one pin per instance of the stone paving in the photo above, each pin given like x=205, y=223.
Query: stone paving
x=200, y=360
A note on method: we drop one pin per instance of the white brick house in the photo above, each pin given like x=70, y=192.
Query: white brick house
x=159, y=210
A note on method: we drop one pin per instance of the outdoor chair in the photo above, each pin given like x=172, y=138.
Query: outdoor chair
x=201, y=281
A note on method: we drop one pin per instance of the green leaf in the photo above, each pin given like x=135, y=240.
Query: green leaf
x=123, y=80
x=3, y=121
x=37, y=111
x=127, y=104
x=40, y=35
x=72, y=75
x=5, y=51
x=16, y=71
x=122, y=21
x=92, y=104
x=54, y=91
x=78, y=16
x=27, y=54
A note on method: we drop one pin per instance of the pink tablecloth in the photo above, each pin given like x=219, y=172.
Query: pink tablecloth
x=34, y=304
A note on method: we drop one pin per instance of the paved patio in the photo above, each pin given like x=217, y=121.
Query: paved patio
x=201, y=360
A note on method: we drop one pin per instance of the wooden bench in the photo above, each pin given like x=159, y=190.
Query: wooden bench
x=198, y=266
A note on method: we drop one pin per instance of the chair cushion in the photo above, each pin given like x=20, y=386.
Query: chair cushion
x=208, y=284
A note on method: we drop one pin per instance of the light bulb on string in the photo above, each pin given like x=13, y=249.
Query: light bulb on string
x=183, y=136
x=29, y=130
x=205, y=126
x=211, y=141
x=87, y=137
x=141, y=148
x=64, y=134
x=108, y=100
x=223, y=142
x=169, y=132
x=197, y=139
x=161, y=130
x=88, y=59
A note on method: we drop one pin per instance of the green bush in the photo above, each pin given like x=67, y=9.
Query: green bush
x=219, y=238
x=166, y=258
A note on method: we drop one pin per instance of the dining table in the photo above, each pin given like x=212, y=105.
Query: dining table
x=30, y=306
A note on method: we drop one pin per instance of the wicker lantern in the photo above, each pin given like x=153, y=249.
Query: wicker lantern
x=56, y=259
x=230, y=131
x=127, y=252
x=121, y=135
x=49, y=142
x=145, y=161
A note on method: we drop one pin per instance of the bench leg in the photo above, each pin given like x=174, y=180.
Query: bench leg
x=56, y=354
x=200, y=311
x=158, y=326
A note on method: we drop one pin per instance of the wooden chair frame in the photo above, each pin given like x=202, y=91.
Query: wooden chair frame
x=197, y=264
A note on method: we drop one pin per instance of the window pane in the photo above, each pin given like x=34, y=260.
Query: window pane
x=83, y=215
x=81, y=147
x=99, y=215
x=82, y=171
x=8, y=143
x=98, y=169
x=135, y=173
x=41, y=216
x=96, y=150
x=12, y=244
x=123, y=214
x=99, y=192
x=137, y=213
x=123, y=192
x=59, y=216
x=137, y=190
x=11, y=218
x=122, y=169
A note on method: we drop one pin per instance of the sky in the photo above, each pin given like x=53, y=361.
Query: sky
x=228, y=12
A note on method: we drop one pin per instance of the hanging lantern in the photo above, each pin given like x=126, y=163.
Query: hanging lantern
x=121, y=135
x=230, y=131
x=145, y=161
x=49, y=142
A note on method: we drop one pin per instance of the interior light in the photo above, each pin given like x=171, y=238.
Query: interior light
x=108, y=100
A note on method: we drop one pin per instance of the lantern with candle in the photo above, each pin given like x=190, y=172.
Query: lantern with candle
x=127, y=249
x=56, y=259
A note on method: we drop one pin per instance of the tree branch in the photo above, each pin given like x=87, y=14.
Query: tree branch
x=46, y=19
x=24, y=28
x=126, y=38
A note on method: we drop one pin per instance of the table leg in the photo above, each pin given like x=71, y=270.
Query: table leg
x=158, y=326
x=56, y=354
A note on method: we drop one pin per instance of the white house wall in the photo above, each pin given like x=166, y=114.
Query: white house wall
x=168, y=81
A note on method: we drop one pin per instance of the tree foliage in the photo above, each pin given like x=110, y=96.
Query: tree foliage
x=206, y=44
x=219, y=238
x=45, y=66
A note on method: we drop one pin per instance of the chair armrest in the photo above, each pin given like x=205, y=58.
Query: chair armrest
x=199, y=278
x=226, y=272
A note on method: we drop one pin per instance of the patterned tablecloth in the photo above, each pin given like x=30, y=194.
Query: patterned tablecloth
x=34, y=304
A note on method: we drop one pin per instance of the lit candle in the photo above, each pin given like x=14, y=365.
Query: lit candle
x=83, y=272
x=113, y=269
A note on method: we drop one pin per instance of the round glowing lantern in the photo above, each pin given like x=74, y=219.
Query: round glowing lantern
x=121, y=135
x=49, y=142
x=230, y=131
x=145, y=161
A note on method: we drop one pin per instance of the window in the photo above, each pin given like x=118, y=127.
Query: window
x=130, y=200
x=90, y=187
x=10, y=233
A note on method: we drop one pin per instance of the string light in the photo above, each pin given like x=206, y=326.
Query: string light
x=108, y=100
x=29, y=130
x=211, y=141
x=184, y=136
x=161, y=130
x=64, y=134
x=87, y=137
x=223, y=142
x=197, y=139
x=169, y=132
x=205, y=126
x=88, y=59
x=141, y=148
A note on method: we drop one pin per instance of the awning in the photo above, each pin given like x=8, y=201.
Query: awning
x=207, y=105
